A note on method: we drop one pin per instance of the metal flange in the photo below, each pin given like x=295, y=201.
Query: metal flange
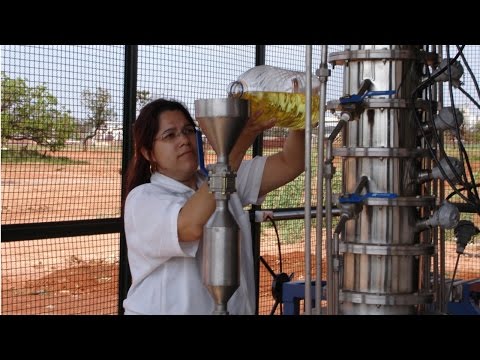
x=394, y=299
x=375, y=103
x=380, y=152
x=386, y=250
x=424, y=201
x=342, y=57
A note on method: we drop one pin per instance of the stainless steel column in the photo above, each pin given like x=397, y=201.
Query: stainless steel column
x=380, y=248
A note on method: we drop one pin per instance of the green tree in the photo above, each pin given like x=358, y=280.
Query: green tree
x=474, y=135
x=100, y=111
x=143, y=97
x=32, y=113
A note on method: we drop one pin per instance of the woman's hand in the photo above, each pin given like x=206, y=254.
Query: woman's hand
x=253, y=126
x=251, y=130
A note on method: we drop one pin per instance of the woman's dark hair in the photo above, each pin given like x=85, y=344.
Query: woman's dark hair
x=144, y=130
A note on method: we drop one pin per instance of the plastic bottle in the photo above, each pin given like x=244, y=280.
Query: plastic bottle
x=280, y=93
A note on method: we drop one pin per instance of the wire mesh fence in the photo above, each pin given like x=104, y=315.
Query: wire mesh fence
x=62, y=153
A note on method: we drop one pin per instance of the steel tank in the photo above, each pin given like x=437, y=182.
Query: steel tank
x=379, y=247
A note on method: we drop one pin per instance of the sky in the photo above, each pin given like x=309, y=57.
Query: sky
x=182, y=72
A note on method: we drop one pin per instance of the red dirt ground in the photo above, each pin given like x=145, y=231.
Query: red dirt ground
x=80, y=275
x=86, y=285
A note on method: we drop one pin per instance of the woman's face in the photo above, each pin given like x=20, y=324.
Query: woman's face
x=175, y=147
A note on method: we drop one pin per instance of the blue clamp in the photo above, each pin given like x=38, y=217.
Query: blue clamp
x=359, y=98
x=201, y=159
x=381, y=195
x=355, y=198
x=351, y=198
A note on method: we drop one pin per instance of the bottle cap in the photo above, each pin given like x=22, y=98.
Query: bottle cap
x=236, y=88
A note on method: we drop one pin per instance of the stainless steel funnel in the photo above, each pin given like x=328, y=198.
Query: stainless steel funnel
x=222, y=121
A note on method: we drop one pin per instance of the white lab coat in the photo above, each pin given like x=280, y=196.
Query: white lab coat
x=166, y=273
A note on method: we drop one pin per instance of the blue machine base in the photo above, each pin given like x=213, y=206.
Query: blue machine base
x=469, y=305
x=293, y=292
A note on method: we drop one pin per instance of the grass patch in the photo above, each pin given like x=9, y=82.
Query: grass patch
x=289, y=195
x=34, y=156
x=473, y=151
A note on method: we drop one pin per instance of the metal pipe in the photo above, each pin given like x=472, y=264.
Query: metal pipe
x=344, y=118
x=442, y=299
x=291, y=214
x=336, y=273
x=323, y=76
x=328, y=227
x=329, y=170
x=435, y=231
x=257, y=149
x=308, y=174
x=346, y=73
x=361, y=185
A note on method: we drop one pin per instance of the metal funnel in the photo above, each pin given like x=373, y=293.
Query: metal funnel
x=221, y=121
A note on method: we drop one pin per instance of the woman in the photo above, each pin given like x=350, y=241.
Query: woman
x=168, y=204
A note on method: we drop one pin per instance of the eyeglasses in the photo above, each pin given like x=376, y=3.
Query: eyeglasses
x=171, y=134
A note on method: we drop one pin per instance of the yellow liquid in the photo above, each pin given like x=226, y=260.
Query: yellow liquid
x=287, y=108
